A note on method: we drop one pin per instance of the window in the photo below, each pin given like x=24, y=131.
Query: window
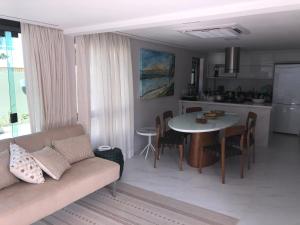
x=14, y=117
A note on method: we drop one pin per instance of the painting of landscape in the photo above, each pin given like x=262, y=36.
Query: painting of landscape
x=156, y=74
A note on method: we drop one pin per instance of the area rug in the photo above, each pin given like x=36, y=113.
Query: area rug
x=134, y=206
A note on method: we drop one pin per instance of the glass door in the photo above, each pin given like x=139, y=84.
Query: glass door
x=14, y=118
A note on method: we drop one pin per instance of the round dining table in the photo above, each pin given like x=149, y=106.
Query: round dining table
x=202, y=134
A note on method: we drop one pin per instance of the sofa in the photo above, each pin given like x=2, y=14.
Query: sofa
x=23, y=203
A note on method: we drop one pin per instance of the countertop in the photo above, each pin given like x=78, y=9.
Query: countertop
x=246, y=104
x=187, y=122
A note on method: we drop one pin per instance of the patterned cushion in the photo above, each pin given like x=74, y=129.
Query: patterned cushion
x=6, y=177
x=51, y=162
x=23, y=166
x=74, y=149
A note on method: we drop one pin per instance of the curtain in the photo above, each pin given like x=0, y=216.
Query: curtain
x=50, y=99
x=110, y=89
x=83, y=82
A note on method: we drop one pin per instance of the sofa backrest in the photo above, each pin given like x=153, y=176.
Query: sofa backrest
x=4, y=144
x=36, y=141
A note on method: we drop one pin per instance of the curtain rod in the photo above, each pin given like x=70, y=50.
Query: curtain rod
x=34, y=22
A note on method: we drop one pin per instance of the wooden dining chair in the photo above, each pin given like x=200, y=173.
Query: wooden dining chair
x=167, y=132
x=250, y=138
x=170, y=140
x=233, y=138
x=167, y=115
x=193, y=109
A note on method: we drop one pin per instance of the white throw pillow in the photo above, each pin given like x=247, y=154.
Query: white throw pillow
x=23, y=166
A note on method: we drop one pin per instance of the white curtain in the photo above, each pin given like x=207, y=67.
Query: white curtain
x=111, y=89
x=83, y=81
x=50, y=98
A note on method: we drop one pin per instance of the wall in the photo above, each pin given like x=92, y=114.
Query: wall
x=253, y=64
x=146, y=110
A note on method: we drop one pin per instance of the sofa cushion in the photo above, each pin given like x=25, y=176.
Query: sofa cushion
x=37, y=141
x=24, y=203
x=51, y=162
x=74, y=149
x=6, y=177
x=23, y=166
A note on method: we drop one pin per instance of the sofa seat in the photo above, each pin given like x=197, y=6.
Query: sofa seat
x=23, y=203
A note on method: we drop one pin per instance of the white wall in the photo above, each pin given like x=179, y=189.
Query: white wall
x=256, y=64
x=146, y=110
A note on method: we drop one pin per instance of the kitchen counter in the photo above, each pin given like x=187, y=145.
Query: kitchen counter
x=263, y=112
x=248, y=104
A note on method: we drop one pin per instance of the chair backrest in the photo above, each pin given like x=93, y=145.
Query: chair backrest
x=167, y=115
x=251, y=120
x=234, y=131
x=193, y=109
x=250, y=125
x=158, y=130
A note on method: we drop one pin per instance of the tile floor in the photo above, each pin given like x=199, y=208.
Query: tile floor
x=268, y=195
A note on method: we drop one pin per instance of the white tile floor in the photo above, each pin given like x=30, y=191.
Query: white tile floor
x=268, y=195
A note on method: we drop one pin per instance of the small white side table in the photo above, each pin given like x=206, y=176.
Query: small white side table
x=149, y=132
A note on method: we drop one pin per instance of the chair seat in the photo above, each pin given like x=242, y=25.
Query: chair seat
x=172, y=138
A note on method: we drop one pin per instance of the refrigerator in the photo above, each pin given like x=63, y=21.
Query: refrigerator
x=286, y=98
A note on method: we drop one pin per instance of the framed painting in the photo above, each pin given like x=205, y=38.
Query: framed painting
x=157, y=70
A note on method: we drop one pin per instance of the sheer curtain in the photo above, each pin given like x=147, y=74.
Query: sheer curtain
x=50, y=98
x=111, y=89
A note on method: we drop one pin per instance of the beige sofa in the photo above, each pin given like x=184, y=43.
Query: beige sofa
x=24, y=203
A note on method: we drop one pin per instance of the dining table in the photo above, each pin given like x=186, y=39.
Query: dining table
x=202, y=134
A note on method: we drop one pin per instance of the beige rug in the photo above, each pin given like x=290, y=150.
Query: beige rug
x=134, y=206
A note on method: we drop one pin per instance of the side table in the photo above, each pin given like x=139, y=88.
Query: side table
x=114, y=155
x=149, y=132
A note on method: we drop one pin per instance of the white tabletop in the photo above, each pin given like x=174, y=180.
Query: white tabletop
x=187, y=122
x=147, y=131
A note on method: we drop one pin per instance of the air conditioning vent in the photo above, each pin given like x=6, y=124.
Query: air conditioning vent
x=224, y=31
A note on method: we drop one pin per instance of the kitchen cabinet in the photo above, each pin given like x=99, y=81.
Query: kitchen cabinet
x=263, y=72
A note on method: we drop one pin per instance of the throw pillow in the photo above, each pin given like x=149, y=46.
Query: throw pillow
x=51, y=162
x=74, y=149
x=6, y=177
x=23, y=166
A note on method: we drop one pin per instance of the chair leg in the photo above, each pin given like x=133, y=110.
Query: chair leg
x=155, y=157
x=223, y=161
x=158, y=152
x=200, y=159
x=253, y=153
x=180, y=148
x=162, y=149
x=249, y=156
x=242, y=164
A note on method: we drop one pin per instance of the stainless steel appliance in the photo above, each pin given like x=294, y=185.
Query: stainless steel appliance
x=286, y=98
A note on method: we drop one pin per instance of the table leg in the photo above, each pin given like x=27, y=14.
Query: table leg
x=144, y=149
x=148, y=147
x=198, y=141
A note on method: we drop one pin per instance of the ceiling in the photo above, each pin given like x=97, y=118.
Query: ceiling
x=271, y=23
x=267, y=31
x=77, y=13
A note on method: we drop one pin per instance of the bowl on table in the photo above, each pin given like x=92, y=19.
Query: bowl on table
x=210, y=115
x=218, y=112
